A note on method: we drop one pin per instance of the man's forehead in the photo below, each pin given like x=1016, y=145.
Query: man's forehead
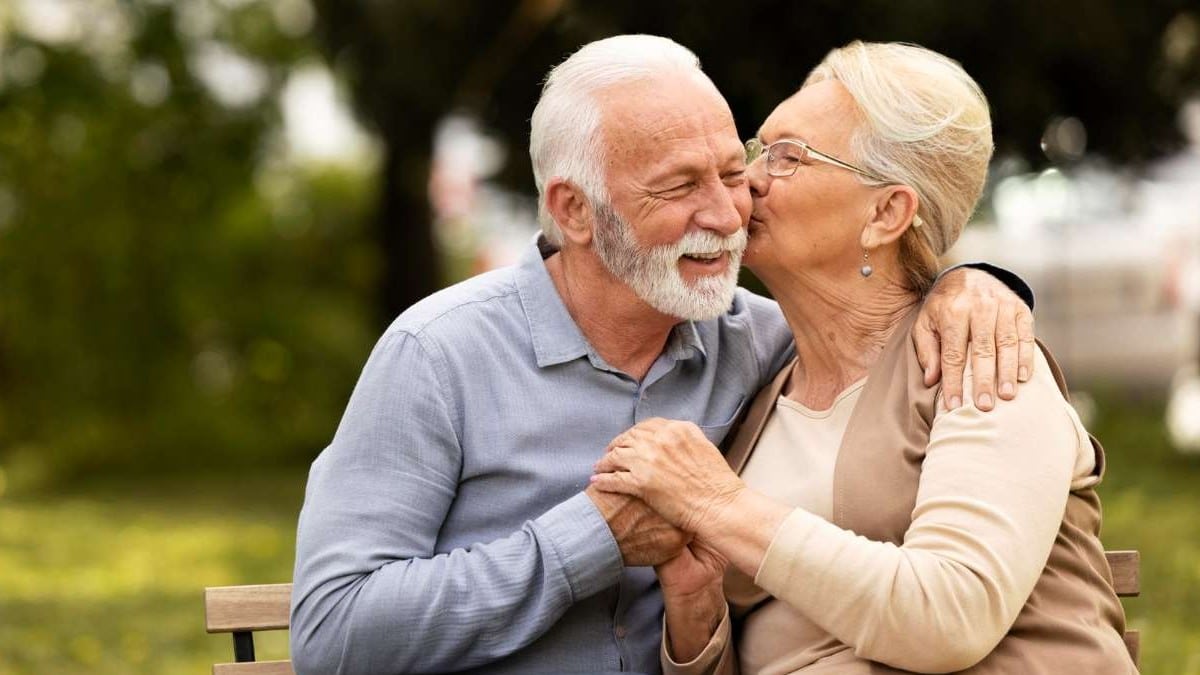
x=639, y=119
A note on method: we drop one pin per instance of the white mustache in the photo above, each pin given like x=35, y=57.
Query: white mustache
x=707, y=243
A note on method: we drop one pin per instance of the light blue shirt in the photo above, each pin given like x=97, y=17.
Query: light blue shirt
x=445, y=527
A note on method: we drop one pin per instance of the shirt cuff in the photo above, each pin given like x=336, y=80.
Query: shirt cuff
x=1015, y=283
x=584, y=545
x=707, y=660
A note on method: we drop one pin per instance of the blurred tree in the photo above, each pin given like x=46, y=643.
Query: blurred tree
x=1122, y=68
x=173, y=293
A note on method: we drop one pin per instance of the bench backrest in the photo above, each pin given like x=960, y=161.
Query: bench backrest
x=241, y=610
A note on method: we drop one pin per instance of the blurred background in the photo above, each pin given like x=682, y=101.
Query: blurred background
x=209, y=209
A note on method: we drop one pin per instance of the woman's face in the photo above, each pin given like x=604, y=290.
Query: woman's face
x=811, y=223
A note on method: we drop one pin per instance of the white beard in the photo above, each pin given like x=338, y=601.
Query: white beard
x=653, y=273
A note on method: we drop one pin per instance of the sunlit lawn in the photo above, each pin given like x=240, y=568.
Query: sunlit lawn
x=107, y=578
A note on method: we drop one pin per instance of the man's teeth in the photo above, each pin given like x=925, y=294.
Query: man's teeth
x=704, y=256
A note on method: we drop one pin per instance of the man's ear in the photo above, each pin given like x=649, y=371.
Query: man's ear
x=571, y=210
x=892, y=216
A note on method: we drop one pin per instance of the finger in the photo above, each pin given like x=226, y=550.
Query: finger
x=617, y=459
x=954, y=331
x=1007, y=349
x=983, y=354
x=1028, y=346
x=621, y=482
x=925, y=340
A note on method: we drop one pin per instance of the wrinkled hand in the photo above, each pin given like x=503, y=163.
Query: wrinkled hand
x=972, y=307
x=693, y=598
x=671, y=466
x=642, y=535
x=697, y=569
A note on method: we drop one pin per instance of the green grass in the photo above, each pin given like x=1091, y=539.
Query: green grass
x=107, y=577
x=1151, y=497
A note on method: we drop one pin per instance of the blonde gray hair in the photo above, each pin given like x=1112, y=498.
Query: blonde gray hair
x=565, y=140
x=925, y=124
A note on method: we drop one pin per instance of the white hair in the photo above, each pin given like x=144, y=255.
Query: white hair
x=565, y=140
x=925, y=125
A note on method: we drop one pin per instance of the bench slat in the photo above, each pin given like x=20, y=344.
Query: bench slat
x=255, y=668
x=1126, y=570
x=247, y=608
x=1133, y=642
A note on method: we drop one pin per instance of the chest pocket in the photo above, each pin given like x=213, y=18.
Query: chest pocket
x=717, y=430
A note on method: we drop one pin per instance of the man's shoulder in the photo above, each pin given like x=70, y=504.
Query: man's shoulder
x=457, y=309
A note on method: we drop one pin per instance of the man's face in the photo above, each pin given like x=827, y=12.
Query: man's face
x=679, y=198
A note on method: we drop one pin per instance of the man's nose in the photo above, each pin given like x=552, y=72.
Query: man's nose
x=726, y=210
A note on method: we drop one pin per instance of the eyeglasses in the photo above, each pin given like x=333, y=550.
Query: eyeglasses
x=786, y=155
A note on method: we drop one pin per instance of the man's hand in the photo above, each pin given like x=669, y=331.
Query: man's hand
x=644, y=537
x=972, y=307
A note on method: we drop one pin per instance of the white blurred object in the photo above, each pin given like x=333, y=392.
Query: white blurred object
x=1085, y=406
x=1183, y=411
x=319, y=126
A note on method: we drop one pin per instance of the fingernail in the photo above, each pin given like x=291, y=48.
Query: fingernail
x=1023, y=374
x=955, y=402
x=928, y=373
x=985, y=400
x=593, y=478
x=1007, y=389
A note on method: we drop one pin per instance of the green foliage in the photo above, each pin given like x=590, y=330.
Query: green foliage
x=172, y=293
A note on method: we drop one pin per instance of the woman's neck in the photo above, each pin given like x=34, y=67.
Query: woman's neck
x=840, y=329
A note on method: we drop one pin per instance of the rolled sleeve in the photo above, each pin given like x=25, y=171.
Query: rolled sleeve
x=717, y=658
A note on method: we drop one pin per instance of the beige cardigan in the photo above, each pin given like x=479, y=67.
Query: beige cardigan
x=1072, y=620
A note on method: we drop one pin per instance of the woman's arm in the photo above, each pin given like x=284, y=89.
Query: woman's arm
x=990, y=502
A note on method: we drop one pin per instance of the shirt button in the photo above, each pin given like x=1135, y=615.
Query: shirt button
x=620, y=632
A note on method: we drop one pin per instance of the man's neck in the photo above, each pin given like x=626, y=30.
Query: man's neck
x=626, y=332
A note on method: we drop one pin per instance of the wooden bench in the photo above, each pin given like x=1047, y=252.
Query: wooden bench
x=241, y=610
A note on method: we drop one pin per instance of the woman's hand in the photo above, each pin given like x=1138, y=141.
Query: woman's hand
x=672, y=467
x=696, y=570
x=693, y=598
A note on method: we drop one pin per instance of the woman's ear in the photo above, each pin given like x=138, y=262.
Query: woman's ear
x=894, y=211
x=570, y=210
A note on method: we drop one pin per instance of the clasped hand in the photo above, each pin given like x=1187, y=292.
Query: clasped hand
x=673, y=468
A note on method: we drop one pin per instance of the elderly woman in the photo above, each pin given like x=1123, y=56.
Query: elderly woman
x=875, y=526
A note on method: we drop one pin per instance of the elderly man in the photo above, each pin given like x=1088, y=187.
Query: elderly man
x=447, y=526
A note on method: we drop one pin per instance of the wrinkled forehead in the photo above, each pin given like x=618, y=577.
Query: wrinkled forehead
x=822, y=114
x=676, y=116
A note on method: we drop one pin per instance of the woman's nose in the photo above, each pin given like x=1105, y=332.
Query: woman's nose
x=760, y=181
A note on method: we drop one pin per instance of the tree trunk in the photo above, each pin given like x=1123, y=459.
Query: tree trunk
x=411, y=264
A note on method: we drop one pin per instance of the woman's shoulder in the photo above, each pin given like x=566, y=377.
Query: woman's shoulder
x=1040, y=411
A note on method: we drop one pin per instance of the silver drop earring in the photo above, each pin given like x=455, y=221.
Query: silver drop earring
x=866, y=269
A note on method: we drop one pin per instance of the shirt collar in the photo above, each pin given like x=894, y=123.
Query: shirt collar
x=556, y=337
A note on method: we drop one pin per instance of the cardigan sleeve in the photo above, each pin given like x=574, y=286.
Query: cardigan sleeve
x=992, y=493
